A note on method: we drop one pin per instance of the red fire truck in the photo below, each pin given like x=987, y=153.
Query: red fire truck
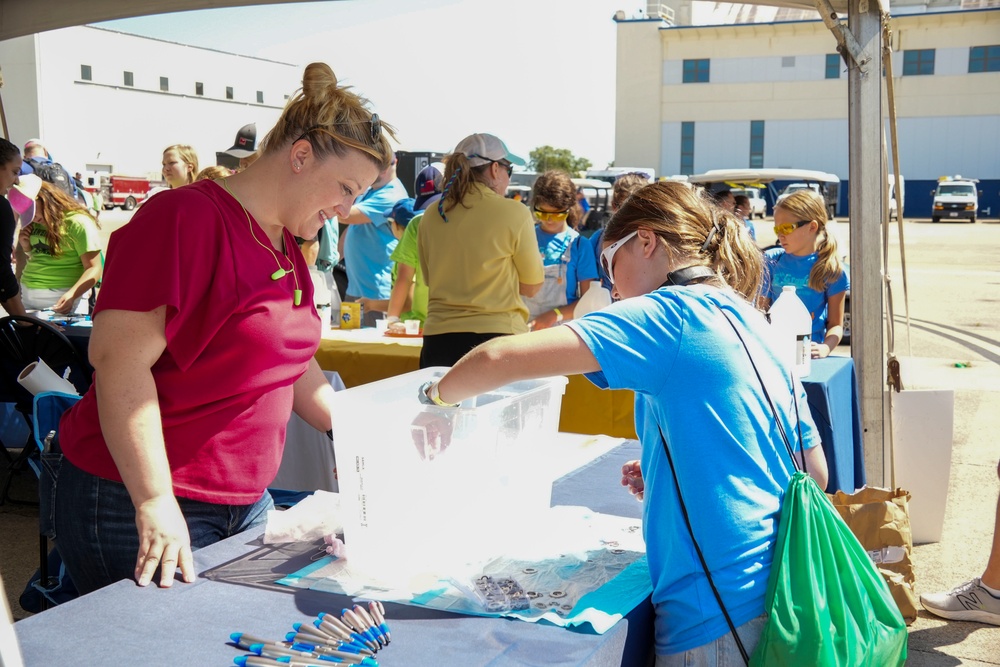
x=126, y=192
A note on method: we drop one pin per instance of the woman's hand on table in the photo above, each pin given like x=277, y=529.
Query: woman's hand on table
x=64, y=306
x=164, y=542
x=632, y=478
x=820, y=350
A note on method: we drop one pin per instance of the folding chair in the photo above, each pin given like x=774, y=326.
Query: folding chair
x=23, y=340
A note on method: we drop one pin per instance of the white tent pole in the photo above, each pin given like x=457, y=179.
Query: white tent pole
x=866, y=155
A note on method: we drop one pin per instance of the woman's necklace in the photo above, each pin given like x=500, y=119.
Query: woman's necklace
x=281, y=272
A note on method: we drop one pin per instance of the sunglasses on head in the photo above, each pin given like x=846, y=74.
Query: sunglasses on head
x=608, y=255
x=503, y=163
x=551, y=216
x=375, y=127
x=786, y=228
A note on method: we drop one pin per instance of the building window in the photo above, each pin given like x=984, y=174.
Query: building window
x=164, y=84
x=128, y=79
x=918, y=62
x=696, y=71
x=260, y=97
x=229, y=92
x=788, y=61
x=984, y=59
x=199, y=88
x=687, y=148
x=756, y=144
x=87, y=75
x=833, y=65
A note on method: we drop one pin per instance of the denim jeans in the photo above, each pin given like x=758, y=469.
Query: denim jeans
x=720, y=653
x=96, y=534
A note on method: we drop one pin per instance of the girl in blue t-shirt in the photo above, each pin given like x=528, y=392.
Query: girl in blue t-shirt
x=569, y=264
x=686, y=272
x=808, y=260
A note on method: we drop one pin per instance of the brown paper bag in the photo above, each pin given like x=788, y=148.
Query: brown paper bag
x=880, y=519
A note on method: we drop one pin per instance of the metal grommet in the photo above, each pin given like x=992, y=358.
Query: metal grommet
x=557, y=594
x=532, y=594
x=530, y=570
x=541, y=605
x=566, y=607
x=617, y=551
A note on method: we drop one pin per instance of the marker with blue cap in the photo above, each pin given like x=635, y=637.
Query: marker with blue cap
x=244, y=640
x=257, y=661
x=342, y=646
x=363, y=614
x=357, y=637
x=349, y=617
x=378, y=613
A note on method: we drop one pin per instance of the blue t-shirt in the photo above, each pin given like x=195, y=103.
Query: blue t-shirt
x=570, y=250
x=691, y=376
x=368, y=247
x=787, y=269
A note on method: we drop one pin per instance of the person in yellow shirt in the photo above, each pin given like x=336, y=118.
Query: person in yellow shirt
x=478, y=254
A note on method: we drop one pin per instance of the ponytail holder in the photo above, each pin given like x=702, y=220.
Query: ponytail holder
x=711, y=235
x=444, y=193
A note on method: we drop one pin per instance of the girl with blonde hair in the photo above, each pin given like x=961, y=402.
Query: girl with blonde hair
x=59, y=253
x=180, y=165
x=687, y=273
x=808, y=259
x=203, y=341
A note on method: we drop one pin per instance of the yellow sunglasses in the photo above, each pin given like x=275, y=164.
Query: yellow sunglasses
x=786, y=228
x=549, y=216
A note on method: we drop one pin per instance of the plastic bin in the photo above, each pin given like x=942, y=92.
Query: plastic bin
x=414, y=504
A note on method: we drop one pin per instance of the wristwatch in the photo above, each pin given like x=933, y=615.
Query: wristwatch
x=429, y=395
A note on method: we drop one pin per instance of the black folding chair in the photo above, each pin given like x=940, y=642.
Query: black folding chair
x=24, y=340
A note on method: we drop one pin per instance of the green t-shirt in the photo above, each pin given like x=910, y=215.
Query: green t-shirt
x=406, y=253
x=47, y=271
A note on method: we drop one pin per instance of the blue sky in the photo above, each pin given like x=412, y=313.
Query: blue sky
x=530, y=71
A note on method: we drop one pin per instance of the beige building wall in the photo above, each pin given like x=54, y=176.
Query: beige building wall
x=637, y=96
x=776, y=73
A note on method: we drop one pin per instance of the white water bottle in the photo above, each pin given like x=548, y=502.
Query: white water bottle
x=793, y=323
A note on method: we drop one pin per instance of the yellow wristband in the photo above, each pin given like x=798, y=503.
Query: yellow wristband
x=435, y=396
x=559, y=315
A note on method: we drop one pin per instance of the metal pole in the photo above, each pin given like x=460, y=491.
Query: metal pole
x=865, y=123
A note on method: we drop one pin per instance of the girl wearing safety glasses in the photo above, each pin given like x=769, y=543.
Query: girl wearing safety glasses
x=687, y=272
x=569, y=264
x=808, y=260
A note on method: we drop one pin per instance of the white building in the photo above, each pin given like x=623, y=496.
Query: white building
x=694, y=98
x=103, y=100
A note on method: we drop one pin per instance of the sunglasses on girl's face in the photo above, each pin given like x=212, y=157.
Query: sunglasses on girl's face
x=551, y=216
x=608, y=255
x=786, y=228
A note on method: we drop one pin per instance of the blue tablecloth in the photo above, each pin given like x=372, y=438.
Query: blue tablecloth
x=832, y=390
x=189, y=624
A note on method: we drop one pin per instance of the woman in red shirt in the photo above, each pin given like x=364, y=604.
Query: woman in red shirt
x=203, y=342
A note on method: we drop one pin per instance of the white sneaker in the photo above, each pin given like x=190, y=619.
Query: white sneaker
x=968, y=602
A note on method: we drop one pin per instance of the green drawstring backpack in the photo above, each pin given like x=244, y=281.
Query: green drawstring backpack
x=826, y=603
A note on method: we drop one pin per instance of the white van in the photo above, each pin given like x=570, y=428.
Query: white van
x=955, y=198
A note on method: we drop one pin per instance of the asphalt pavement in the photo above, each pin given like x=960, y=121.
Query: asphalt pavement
x=952, y=342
